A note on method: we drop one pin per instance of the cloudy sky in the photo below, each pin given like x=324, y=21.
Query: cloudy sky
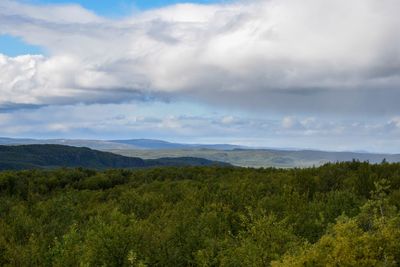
x=276, y=73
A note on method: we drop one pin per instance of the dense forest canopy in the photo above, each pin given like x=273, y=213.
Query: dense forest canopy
x=343, y=214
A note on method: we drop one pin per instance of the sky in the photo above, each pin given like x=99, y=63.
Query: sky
x=316, y=74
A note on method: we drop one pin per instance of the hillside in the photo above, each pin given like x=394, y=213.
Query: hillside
x=263, y=157
x=51, y=156
x=232, y=154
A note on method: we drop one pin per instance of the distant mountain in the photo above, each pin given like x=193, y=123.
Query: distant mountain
x=118, y=144
x=233, y=154
x=158, y=145
x=11, y=141
x=94, y=144
x=50, y=156
x=149, y=144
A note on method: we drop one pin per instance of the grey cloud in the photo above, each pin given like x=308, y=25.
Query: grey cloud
x=162, y=32
x=9, y=107
x=361, y=102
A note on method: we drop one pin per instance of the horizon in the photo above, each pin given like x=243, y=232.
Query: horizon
x=238, y=145
x=253, y=73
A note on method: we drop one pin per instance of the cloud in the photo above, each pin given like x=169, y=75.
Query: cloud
x=393, y=125
x=160, y=121
x=291, y=123
x=286, y=56
x=227, y=120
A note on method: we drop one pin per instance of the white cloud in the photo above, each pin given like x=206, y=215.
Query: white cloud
x=290, y=122
x=330, y=56
x=307, y=123
x=227, y=120
x=394, y=123
x=53, y=13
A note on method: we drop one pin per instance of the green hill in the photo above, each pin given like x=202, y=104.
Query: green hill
x=262, y=157
x=51, y=156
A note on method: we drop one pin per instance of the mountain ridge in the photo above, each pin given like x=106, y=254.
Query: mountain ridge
x=52, y=156
x=117, y=144
x=232, y=154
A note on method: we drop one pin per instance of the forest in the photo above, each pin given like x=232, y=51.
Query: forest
x=339, y=214
x=42, y=156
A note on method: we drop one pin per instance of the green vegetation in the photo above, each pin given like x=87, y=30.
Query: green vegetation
x=343, y=214
x=260, y=157
x=51, y=156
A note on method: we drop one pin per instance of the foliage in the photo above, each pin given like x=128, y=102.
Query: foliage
x=369, y=239
x=343, y=214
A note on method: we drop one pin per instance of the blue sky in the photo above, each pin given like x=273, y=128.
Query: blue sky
x=252, y=72
x=121, y=7
x=13, y=46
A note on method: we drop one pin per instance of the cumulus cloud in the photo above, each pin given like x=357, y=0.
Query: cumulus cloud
x=280, y=55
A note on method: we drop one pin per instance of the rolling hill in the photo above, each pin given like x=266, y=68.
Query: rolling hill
x=264, y=157
x=52, y=156
x=233, y=154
